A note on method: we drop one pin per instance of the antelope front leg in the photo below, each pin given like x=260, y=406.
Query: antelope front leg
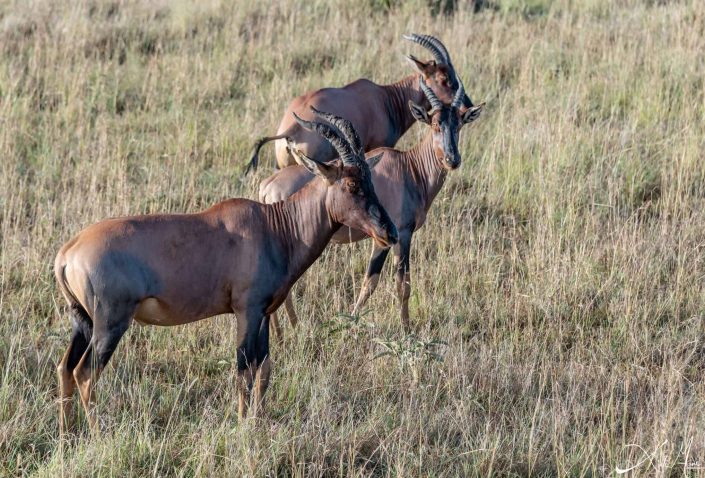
x=289, y=305
x=277, y=328
x=248, y=329
x=403, y=277
x=374, y=269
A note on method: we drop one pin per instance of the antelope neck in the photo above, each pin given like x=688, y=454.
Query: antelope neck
x=427, y=171
x=302, y=225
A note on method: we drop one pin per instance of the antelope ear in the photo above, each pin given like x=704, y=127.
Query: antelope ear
x=372, y=162
x=425, y=69
x=419, y=112
x=329, y=172
x=471, y=114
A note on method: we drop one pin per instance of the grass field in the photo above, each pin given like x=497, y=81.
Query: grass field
x=563, y=264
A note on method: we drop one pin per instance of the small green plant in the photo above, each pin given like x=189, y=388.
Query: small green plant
x=347, y=322
x=411, y=352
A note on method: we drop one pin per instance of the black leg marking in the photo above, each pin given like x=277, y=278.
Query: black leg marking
x=402, y=251
x=81, y=334
x=379, y=256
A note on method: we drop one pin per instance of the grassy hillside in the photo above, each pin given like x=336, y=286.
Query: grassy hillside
x=563, y=264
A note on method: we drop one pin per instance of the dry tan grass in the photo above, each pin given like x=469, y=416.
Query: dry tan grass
x=563, y=264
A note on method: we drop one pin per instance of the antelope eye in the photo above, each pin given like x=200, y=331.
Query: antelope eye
x=352, y=186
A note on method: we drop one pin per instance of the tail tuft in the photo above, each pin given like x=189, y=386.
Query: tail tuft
x=254, y=160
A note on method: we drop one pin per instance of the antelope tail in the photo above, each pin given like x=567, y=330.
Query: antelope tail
x=60, y=274
x=74, y=304
x=254, y=160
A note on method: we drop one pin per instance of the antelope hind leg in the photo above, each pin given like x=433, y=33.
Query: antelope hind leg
x=82, y=330
x=106, y=336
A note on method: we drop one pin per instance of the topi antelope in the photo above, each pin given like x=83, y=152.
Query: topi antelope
x=406, y=182
x=379, y=113
x=238, y=257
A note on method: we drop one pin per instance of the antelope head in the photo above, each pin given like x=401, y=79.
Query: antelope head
x=445, y=122
x=351, y=199
x=439, y=72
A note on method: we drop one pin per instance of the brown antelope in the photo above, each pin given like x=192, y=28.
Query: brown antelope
x=406, y=183
x=238, y=257
x=379, y=113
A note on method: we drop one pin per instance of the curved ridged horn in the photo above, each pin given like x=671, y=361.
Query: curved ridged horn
x=430, y=95
x=332, y=136
x=459, y=96
x=432, y=44
x=345, y=127
x=439, y=44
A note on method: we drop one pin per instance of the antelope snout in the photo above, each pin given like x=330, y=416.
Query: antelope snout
x=392, y=234
x=385, y=233
x=451, y=163
x=388, y=238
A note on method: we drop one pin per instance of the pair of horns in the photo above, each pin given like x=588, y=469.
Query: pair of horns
x=432, y=44
x=441, y=55
x=340, y=133
x=435, y=102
